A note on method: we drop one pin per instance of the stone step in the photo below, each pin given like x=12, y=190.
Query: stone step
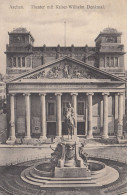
x=100, y=173
x=110, y=176
x=56, y=179
x=69, y=185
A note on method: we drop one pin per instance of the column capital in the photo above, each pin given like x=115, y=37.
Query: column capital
x=58, y=94
x=116, y=94
x=12, y=94
x=105, y=94
x=89, y=93
x=120, y=93
x=42, y=94
x=26, y=94
x=74, y=93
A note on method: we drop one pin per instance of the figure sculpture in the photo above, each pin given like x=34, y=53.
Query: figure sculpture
x=70, y=120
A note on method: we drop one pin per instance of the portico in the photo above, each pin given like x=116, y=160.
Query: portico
x=37, y=105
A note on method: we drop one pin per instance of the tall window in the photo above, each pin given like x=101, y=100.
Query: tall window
x=116, y=61
x=23, y=61
x=51, y=110
x=112, y=61
x=10, y=62
x=19, y=62
x=107, y=61
x=80, y=108
x=42, y=60
x=14, y=61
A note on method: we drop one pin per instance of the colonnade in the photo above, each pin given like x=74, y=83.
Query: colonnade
x=118, y=114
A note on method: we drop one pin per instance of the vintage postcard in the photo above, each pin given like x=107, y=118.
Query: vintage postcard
x=63, y=97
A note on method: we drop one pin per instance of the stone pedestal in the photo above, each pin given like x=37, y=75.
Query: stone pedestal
x=70, y=154
x=71, y=172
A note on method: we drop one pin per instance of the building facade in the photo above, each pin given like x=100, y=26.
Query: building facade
x=43, y=80
x=2, y=94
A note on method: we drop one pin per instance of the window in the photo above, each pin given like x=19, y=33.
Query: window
x=112, y=61
x=42, y=60
x=51, y=108
x=116, y=61
x=19, y=62
x=80, y=107
x=14, y=61
x=107, y=61
x=23, y=61
x=10, y=62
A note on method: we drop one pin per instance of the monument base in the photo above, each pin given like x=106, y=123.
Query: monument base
x=71, y=172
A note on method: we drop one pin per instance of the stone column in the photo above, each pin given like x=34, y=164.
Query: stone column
x=90, y=133
x=27, y=104
x=58, y=115
x=12, y=117
x=116, y=114
x=101, y=117
x=74, y=102
x=120, y=115
x=105, y=115
x=43, y=116
x=86, y=113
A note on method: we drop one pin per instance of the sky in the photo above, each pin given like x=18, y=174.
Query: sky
x=47, y=25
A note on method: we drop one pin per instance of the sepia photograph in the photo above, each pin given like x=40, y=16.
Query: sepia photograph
x=63, y=97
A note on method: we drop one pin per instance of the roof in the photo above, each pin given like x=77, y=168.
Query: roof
x=108, y=31
x=20, y=30
x=35, y=70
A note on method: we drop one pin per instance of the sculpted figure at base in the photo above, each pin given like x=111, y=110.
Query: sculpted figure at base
x=70, y=120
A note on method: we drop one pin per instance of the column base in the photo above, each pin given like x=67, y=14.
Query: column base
x=120, y=131
x=27, y=137
x=43, y=137
x=89, y=136
x=58, y=136
x=11, y=140
x=105, y=136
x=119, y=135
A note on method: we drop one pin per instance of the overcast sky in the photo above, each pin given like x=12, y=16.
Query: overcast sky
x=47, y=25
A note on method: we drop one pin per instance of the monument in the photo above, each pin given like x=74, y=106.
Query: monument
x=68, y=165
x=66, y=158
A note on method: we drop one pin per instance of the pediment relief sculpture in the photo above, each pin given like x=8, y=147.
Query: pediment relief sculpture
x=65, y=71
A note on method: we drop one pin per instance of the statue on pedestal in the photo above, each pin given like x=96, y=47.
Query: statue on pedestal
x=70, y=120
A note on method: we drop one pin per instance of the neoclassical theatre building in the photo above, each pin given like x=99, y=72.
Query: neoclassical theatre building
x=43, y=80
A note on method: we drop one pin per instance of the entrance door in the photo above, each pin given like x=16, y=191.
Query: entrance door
x=51, y=129
x=81, y=128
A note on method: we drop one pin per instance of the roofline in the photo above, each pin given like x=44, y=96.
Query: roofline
x=59, y=59
x=21, y=33
x=101, y=33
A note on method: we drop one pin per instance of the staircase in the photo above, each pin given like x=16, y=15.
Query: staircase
x=98, y=178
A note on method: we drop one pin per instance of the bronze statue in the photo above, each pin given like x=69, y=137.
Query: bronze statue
x=70, y=120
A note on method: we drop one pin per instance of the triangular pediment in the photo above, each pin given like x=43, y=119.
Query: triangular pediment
x=66, y=69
